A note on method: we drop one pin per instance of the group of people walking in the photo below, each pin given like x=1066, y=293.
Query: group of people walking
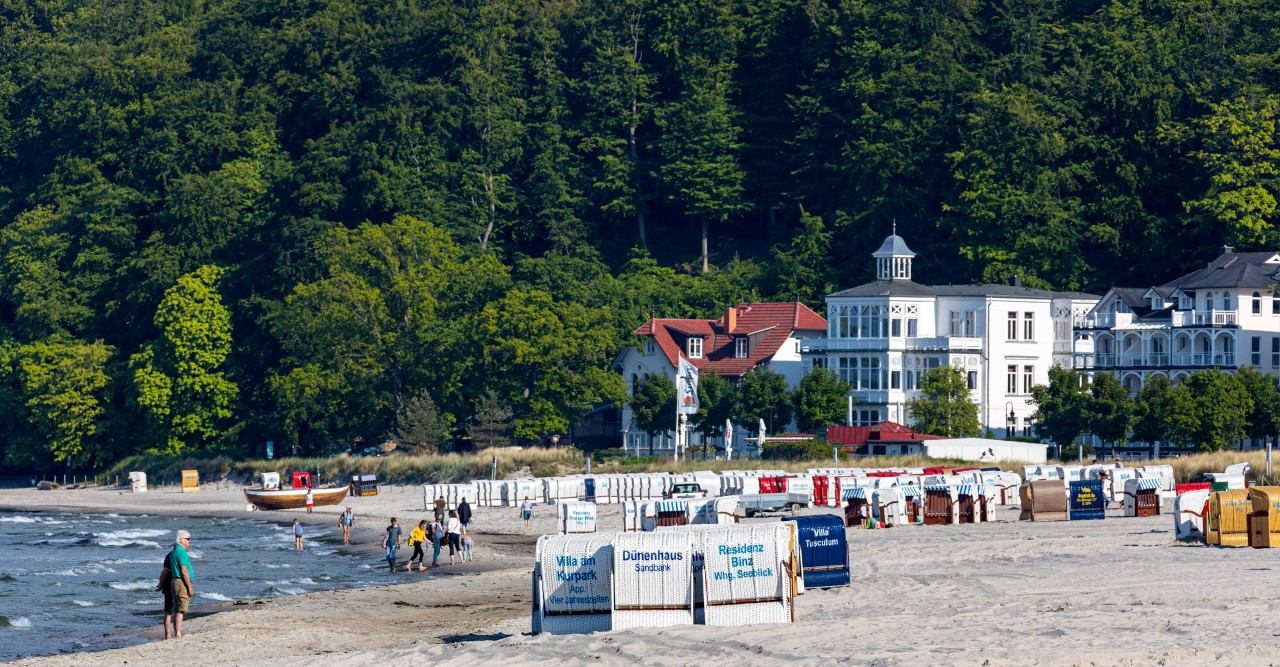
x=448, y=528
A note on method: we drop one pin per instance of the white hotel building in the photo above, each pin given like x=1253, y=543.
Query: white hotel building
x=1225, y=316
x=881, y=336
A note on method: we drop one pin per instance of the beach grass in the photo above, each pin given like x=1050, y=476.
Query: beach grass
x=540, y=462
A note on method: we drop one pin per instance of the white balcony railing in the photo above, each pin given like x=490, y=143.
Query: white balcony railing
x=1203, y=318
x=1159, y=360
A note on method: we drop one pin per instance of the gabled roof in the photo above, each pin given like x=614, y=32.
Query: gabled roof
x=773, y=322
x=1232, y=270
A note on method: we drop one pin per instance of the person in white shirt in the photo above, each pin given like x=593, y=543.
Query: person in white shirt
x=454, y=528
x=526, y=510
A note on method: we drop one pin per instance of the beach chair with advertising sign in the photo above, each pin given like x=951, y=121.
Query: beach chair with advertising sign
x=572, y=582
x=1228, y=522
x=653, y=579
x=746, y=574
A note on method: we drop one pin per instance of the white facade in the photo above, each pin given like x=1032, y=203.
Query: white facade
x=1224, y=316
x=883, y=335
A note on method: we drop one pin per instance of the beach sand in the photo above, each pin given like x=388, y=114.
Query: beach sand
x=1115, y=592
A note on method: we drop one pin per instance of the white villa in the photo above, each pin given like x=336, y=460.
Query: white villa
x=882, y=335
x=1223, y=316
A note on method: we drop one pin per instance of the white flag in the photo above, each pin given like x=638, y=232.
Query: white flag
x=686, y=388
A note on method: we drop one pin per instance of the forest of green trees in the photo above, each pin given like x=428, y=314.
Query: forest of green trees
x=319, y=222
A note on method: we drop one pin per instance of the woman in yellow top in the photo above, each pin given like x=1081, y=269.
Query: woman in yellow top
x=416, y=537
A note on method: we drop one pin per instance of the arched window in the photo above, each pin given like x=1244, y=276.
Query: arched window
x=1208, y=300
x=1226, y=301
x=1257, y=303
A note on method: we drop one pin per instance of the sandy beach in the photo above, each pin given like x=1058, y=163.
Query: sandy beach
x=1115, y=592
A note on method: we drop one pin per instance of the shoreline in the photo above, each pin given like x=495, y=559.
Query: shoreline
x=406, y=590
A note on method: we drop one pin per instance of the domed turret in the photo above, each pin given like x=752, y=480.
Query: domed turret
x=893, y=259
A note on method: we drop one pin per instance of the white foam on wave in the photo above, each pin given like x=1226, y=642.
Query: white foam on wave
x=94, y=568
x=17, y=519
x=132, y=585
x=276, y=566
x=115, y=542
x=83, y=603
x=132, y=533
x=20, y=622
x=128, y=561
x=291, y=591
x=300, y=581
x=215, y=596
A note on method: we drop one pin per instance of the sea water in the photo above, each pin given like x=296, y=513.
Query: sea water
x=80, y=582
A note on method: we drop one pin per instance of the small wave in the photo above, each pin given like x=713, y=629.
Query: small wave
x=94, y=568
x=291, y=591
x=16, y=622
x=276, y=566
x=124, y=542
x=17, y=519
x=132, y=533
x=132, y=585
x=216, y=596
x=84, y=603
x=301, y=581
x=7, y=577
x=132, y=561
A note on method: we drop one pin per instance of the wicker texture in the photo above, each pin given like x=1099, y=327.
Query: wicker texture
x=746, y=574
x=573, y=583
x=653, y=579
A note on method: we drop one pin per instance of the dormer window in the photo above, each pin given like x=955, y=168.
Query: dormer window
x=1184, y=303
x=693, y=349
x=740, y=347
x=1156, y=303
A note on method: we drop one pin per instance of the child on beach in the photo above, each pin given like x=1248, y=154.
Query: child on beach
x=311, y=500
x=297, y=535
x=467, y=545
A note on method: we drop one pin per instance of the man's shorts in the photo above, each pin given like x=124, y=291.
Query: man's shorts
x=180, y=596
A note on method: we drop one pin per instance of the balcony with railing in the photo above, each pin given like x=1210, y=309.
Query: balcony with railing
x=944, y=343
x=1103, y=320
x=1160, y=360
x=1203, y=318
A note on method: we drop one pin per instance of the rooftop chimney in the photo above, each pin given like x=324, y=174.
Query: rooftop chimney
x=1016, y=282
x=1225, y=250
x=730, y=319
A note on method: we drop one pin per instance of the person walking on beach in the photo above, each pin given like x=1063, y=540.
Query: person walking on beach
x=346, y=520
x=311, y=500
x=436, y=532
x=163, y=586
x=526, y=510
x=441, y=506
x=416, y=538
x=464, y=513
x=454, y=528
x=181, y=582
x=297, y=535
x=468, y=545
x=391, y=542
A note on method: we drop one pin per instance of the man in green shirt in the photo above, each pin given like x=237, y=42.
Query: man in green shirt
x=183, y=589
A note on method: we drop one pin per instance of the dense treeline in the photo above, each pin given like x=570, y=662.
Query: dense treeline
x=224, y=222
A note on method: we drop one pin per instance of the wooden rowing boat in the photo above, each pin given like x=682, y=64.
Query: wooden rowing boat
x=294, y=498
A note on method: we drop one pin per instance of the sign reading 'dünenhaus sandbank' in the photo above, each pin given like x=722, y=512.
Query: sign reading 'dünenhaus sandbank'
x=653, y=579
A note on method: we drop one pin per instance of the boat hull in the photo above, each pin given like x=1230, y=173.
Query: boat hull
x=294, y=498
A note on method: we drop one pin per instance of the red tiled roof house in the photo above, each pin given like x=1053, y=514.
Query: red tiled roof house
x=745, y=336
